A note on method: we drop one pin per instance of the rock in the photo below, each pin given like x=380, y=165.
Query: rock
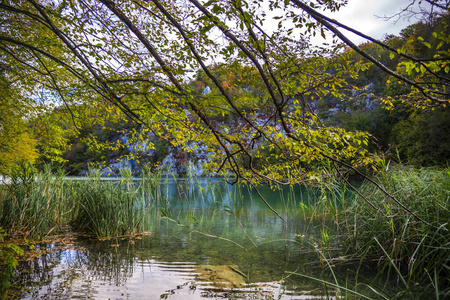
x=224, y=276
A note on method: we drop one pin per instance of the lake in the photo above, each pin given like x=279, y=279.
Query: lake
x=205, y=239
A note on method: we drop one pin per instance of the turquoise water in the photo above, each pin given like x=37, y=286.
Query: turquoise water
x=194, y=226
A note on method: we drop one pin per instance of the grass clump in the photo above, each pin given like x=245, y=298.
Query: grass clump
x=34, y=203
x=396, y=224
x=403, y=224
x=110, y=209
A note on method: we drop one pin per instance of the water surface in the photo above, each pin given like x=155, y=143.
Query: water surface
x=201, y=232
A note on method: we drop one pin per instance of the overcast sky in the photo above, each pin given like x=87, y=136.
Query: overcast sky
x=364, y=15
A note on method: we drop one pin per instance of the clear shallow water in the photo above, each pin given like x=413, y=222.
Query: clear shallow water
x=189, y=253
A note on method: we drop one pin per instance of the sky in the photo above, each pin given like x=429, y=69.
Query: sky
x=366, y=16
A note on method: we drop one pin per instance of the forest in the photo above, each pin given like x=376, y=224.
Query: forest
x=349, y=93
x=234, y=90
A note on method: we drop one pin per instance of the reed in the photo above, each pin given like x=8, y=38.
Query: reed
x=35, y=203
x=399, y=226
x=409, y=231
x=111, y=209
x=403, y=232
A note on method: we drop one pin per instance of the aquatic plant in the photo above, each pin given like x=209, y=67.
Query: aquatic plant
x=406, y=229
x=399, y=225
x=110, y=209
x=35, y=203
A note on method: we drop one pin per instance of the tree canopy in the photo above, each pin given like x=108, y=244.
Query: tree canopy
x=136, y=60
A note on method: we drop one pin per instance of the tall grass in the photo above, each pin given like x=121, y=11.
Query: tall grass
x=36, y=204
x=407, y=231
x=398, y=226
x=110, y=209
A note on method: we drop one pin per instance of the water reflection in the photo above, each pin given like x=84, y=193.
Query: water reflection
x=166, y=264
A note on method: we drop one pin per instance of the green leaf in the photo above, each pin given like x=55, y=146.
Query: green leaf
x=216, y=8
x=206, y=29
x=422, y=69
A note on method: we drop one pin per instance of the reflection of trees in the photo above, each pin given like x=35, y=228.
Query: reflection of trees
x=223, y=203
x=51, y=274
x=99, y=264
x=63, y=273
x=87, y=272
x=204, y=193
x=198, y=192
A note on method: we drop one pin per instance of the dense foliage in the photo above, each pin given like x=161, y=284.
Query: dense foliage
x=94, y=81
x=93, y=66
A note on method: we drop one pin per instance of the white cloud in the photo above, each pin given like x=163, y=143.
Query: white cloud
x=367, y=17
